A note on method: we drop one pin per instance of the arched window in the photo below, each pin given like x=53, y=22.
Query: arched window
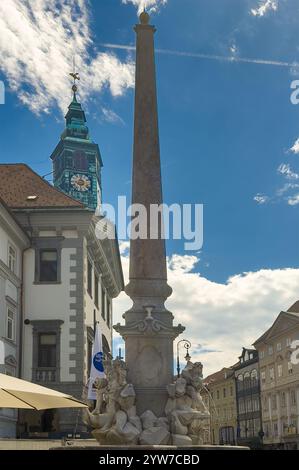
x=247, y=380
x=254, y=377
x=240, y=382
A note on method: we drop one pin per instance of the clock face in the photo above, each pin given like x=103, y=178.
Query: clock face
x=81, y=182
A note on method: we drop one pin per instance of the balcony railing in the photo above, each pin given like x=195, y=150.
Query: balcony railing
x=45, y=374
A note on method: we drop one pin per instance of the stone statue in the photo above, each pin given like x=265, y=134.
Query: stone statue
x=115, y=420
x=185, y=409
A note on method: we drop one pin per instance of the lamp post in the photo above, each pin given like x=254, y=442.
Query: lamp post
x=187, y=346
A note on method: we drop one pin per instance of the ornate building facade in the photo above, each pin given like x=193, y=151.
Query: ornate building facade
x=220, y=398
x=279, y=376
x=249, y=415
x=13, y=242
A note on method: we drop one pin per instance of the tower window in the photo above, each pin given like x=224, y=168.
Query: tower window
x=48, y=266
x=47, y=350
x=80, y=161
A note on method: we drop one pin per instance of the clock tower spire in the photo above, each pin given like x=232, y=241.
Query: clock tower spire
x=77, y=159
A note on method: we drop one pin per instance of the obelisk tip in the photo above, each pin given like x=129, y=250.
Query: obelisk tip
x=144, y=18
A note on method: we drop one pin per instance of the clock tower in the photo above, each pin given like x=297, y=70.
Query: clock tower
x=76, y=159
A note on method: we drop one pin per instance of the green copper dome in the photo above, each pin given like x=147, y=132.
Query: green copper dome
x=75, y=122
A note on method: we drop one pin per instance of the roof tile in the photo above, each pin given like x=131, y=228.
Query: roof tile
x=18, y=182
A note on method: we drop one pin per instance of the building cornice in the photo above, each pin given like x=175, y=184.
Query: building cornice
x=107, y=260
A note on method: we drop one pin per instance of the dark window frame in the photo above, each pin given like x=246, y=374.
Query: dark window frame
x=103, y=303
x=52, y=274
x=47, y=244
x=89, y=277
x=46, y=327
x=96, y=289
x=108, y=311
x=45, y=351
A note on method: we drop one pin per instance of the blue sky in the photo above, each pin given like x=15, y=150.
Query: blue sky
x=225, y=126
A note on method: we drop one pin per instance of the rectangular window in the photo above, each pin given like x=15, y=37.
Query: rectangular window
x=103, y=308
x=218, y=395
x=96, y=290
x=12, y=259
x=290, y=368
x=283, y=400
x=279, y=370
x=263, y=376
x=47, y=350
x=48, y=266
x=10, y=324
x=288, y=341
x=270, y=350
x=278, y=347
x=231, y=391
x=108, y=312
x=293, y=397
x=224, y=393
x=274, y=402
x=262, y=354
x=272, y=373
x=89, y=278
x=89, y=355
x=242, y=406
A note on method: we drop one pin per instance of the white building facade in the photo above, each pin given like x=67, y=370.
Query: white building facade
x=69, y=280
x=13, y=242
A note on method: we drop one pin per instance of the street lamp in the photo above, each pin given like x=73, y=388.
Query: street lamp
x=187, y=346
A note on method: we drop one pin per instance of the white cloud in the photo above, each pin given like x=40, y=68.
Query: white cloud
x=295, y=148
x=286, y=191
x=222, y=317
x=286, y=171
x=287, y=187
x=111, y=116
x=184, y=264
x=150, y=5
x=38, y=40
x=293, y=200
x=261, y=198
x=264, y=7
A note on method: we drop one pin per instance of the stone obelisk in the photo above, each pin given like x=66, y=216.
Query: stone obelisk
x=148, y=331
